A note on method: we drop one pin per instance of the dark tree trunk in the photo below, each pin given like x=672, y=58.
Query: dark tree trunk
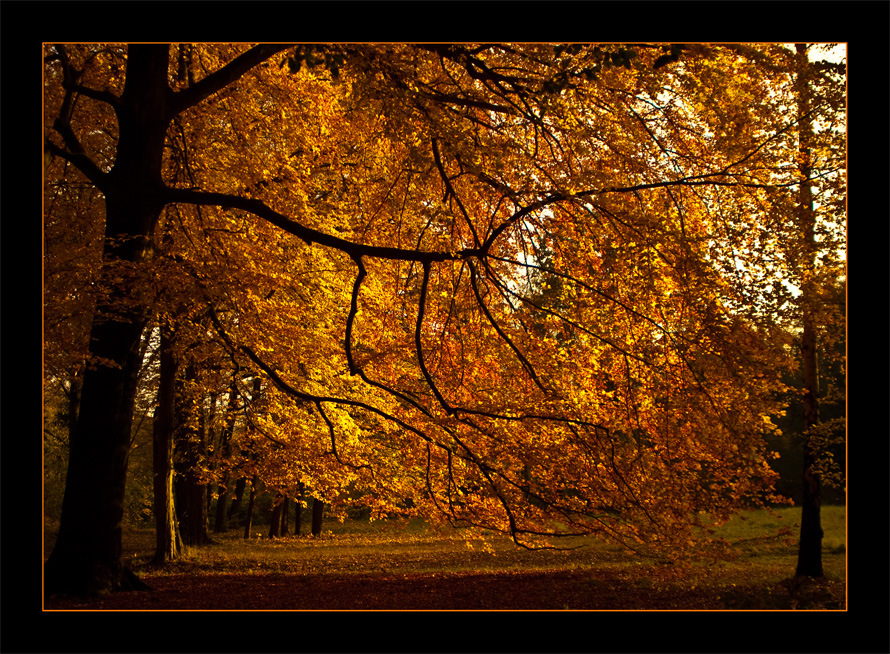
x=809, y=561
x=298, y=515
x=250, y=505
x=191, y=491
x=240, y=486
x=221, y=522
x=317, y=516
x=168, y=543
x=809, y=558
x=275, y=522
x=73, y=404
x=284, y=520
x=86, y=558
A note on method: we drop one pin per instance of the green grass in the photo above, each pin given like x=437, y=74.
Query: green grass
x=756, y=574
x=761, y=539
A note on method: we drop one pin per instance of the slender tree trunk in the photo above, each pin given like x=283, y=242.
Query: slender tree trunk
x=240, y=487
x=809, y=561
x=275, y=522
x=298, y=515
x=191, y=491
x=250, y=505
x=317, y=516
x=284, y=520
x=86, y=558
x=168, y=543
x=221, y=522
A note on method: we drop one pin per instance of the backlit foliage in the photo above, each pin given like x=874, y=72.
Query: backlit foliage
x=528, y=288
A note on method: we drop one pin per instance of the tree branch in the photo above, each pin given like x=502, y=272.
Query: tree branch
x=421, y=308
x=307, y=234
x=218, y=80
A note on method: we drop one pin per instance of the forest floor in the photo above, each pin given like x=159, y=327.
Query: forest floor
x=396, y=566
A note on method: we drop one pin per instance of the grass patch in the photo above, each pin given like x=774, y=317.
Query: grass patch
x=397, y=555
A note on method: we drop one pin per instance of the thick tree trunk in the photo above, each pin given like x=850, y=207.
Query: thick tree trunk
x=168, y=543
x=809, y=561
x=86, y=559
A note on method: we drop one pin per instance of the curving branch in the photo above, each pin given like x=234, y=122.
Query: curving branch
x=307, y=234
x=333, y=435
x=220, y=79
x=418, y=345
x=522, y=359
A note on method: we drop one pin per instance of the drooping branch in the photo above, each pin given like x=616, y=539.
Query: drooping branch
x=522, y=359
x=309, y=235
x=418, y=345
x=449, y=188
x=285, y=387
x=350, y=319
x=333, y=434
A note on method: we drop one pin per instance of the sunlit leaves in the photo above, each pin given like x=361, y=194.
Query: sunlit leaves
x=575, y=323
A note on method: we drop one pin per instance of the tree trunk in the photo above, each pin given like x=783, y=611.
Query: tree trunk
x=809, y=561
x=86, y=558
x=250, y=504
x=298, y=515
x=168, y=543
x=317, y=516
x=275, y=522
x=284, y=520
x=240, y=486
x=220, y=522
x=191, y=491
x=73, y=404
x=220, y=525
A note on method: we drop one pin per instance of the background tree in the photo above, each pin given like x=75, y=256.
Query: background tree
x=791, y=264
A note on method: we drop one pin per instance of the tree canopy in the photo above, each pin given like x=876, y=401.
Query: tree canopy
x=540, y=289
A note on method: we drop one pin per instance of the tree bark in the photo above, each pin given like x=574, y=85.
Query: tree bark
x=86, y=558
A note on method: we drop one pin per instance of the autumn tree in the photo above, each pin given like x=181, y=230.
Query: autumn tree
x=360, y=225
x=788, y=263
